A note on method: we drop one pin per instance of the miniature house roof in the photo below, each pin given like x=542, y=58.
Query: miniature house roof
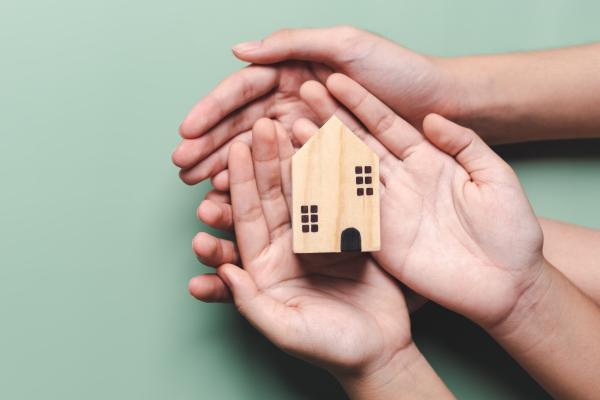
x=335, y=192
x=336, y=131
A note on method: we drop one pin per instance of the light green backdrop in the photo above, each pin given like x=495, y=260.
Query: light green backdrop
x=95, y=227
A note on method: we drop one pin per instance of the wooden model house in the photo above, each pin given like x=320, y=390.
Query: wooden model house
x=335, y=191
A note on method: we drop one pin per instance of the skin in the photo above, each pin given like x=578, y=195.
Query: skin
x=575, y=251
x=470, y=241
x=343, y=313
x=272, y=90
x=506, y=98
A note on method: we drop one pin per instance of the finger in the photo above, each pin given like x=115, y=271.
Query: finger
x=209, y=288
x=265, y=156
x=318, y=98
x=479, y=161
x=384, y=124
x=218, y=196
x=321, y=71
x=213, y=164
x=286, y=152
x=221, y=180
x=332, y=46
x=268, y=315
x=249, y=222
x=190, y=152
x=233, y=92
x=213, y=251
x=215, y=214
x=302, y=130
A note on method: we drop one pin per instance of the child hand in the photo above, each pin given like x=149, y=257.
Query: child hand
x=455, y=224
x=343, y=313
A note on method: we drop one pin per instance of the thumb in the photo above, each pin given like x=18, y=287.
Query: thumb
x=268, y=315
x=326, y=45
x=468, y=149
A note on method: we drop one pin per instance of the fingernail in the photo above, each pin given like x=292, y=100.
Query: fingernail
x=247, y=47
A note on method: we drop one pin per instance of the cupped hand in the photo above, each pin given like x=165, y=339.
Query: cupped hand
x=456, y=226
x=226, y=114
x=411, y=84
x=341, y=312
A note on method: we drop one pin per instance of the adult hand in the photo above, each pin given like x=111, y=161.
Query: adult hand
x=411, y=84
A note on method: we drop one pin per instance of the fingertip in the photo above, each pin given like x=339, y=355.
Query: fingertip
x=208, y=288
x=245, y=48
x=221, y=181
x=311, y=88
x=184, y=129
x=239, y=163
x=263, y=128
x=264, y=140
x=190, y=128
x=208, y=212
x=178, y=157
x=204, y=245
x=230, y=274
x=197, y=287
x=303, y=129
x=336, y=80
x=432, y=120
x=186, y=178
x=237, y=150
x=445, y=134
x=175, y=157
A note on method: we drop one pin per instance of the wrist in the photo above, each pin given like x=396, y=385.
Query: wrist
x=406, y=375
x=553, y=333
x=531, y=304
x=481, y=99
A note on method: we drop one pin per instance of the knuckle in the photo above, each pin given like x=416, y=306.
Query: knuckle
x=353, y=43
x=247, y=89
x=346, y=30
x=385, y=122
x=469, y=132
x=282, y=33
x=359, y=102
x=271, y=192
x=250, y=213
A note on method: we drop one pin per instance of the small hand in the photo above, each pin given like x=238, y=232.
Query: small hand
x=341, y=312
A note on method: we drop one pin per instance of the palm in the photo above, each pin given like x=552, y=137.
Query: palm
x=442, y=238
x=337, y=311
x=474, y=229
x=284, y=103
x=345, y=306
x=267, y=91
x=409, y=83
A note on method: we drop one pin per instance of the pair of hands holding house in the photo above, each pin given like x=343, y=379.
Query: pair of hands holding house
x=456, y=226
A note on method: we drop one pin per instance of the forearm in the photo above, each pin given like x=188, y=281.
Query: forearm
x=575, y=251
x=554, y=332
x=518, y=97
x=407, y=375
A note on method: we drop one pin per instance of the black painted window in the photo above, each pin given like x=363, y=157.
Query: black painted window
x=364, y=180
x=309, y=213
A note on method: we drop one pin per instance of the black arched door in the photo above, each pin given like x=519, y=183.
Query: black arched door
x=351, y=240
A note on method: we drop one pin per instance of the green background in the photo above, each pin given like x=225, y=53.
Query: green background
x=95, y=227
